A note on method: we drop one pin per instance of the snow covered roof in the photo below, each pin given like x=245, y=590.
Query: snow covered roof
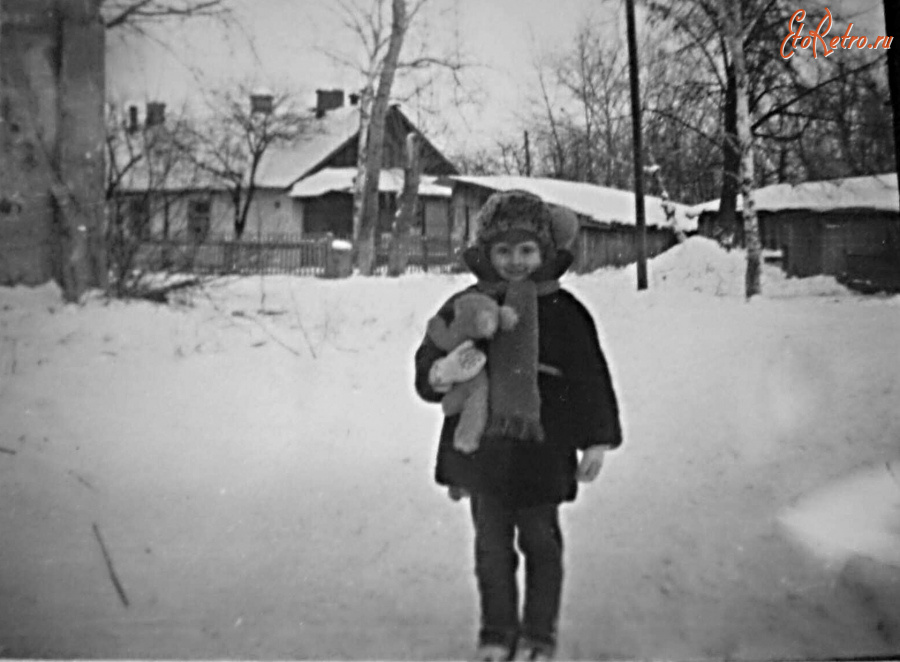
x=283, y=165
x=877, y=192
x=342, y=179
x=599, y=203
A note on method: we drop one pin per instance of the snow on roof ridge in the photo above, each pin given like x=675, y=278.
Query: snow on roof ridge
x=342, y=180
x=877, y=192
x=602, y=204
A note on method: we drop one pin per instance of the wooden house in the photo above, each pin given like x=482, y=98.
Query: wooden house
x=323, y=192
x=817, y=226
x=190, y=204
x=607, y=235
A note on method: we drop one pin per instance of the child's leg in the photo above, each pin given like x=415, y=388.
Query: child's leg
x=540, y=539
x=496, y=561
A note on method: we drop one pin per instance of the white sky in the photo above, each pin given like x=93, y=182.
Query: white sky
x=280, y=43
x=288, y=38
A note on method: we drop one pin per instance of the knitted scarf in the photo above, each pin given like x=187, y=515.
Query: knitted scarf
x=514, y=400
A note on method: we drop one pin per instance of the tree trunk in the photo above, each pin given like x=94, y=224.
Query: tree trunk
x=369, y=212
x=892, y=27
x=406, y=212
x=79, y=178
x=731, y=14
x=362, y=155
x=731, y=160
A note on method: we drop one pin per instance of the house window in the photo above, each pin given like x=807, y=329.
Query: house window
x=199, y=218
x=139, y=218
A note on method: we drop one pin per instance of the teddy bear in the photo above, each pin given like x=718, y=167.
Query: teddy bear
x=476, y=316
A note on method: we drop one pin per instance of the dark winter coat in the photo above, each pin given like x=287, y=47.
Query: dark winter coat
x=578, y=410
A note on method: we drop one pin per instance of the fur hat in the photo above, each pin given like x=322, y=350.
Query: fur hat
x=554, y=227
x=516, y=210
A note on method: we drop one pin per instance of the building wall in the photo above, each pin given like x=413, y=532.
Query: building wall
x=394, y=152
x=333, y=212
x=818, y=243
x=464, y=205
x=179, y=215
x=436, y=217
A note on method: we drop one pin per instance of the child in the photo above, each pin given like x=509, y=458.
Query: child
x=550, y=397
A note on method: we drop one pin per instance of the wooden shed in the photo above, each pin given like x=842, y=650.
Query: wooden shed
x=818, y=227
x=607, y=235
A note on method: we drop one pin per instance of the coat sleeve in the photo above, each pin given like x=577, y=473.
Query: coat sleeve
x=426, y=355
x=596, y=407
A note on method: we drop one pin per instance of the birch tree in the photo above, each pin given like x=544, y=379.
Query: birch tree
x=383, y=36
x=371, y=143
x=743, y=142
x=407, y=210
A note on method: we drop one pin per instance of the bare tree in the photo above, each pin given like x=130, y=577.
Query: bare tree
x=506, y=157
x=147, y=171
x=699, y=23
x=231, y=145
x=733, y=33
x=789, y=102
x=382, y=38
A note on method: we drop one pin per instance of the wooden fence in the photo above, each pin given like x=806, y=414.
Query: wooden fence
x=617, y=247
x=278, y=255
x=314, y=256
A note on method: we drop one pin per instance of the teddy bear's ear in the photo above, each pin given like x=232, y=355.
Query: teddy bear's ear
x=440, y=333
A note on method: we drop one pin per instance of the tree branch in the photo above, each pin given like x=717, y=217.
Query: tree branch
x=123, y=12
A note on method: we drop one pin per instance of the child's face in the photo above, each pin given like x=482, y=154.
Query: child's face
x=515, y=260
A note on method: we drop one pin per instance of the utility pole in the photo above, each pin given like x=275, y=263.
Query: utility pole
x=640, y=218
x=527, y=156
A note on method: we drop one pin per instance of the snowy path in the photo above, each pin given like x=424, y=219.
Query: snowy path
x=260, y=470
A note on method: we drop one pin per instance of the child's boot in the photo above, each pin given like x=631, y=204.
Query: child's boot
x=532, y=651
x=492, y=653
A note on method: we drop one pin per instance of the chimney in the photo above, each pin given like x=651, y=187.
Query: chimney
x=262, y=102
x=156, y=113
x=133, y=123
x=328, y=100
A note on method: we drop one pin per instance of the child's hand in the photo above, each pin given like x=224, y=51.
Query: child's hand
x=590, y=464
x=460, y=365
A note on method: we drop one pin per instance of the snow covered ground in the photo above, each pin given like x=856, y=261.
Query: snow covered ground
x=254, y=463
